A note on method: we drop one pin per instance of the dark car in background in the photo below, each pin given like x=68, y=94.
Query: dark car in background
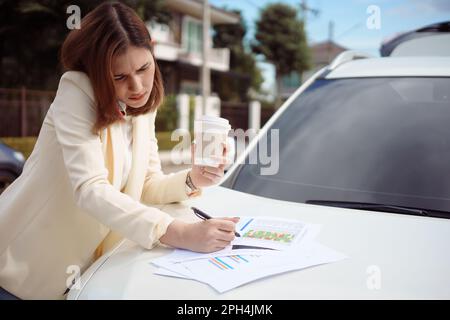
x=11, y=165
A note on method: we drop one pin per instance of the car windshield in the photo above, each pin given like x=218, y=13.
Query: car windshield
x=365, y=140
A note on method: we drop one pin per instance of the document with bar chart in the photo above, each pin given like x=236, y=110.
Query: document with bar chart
x=204, y=269
x=226, y=273
x=228, y=262
x=267, y=232
x=293, y=248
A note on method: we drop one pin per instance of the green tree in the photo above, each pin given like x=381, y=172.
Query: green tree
x=281, y=38
x=242, y=60
x=32, y=32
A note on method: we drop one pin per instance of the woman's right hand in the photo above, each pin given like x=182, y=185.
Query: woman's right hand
x=204, y=236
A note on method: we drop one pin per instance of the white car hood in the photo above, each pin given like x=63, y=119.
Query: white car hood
x=391, y=256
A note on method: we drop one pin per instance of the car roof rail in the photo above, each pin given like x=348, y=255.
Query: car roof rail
x=342, y=58
x=347, y=56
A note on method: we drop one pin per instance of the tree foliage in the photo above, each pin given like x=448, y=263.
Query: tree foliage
x=32, y=32
x=280, y=37
x=242, y=60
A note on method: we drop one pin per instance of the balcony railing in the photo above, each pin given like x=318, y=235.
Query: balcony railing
x=218, y=59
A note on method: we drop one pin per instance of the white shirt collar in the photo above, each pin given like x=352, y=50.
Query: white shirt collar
x=123, y=107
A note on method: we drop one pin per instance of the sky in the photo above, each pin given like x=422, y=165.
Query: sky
x=350, y=18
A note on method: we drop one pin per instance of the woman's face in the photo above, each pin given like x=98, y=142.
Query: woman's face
x=133, y=74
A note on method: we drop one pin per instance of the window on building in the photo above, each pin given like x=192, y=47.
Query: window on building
x=192, y=35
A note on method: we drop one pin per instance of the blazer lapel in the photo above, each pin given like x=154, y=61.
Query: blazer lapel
x=105, y=138
x=117, y=147
x=136, y=177
x=113, y=150
x=140, y=151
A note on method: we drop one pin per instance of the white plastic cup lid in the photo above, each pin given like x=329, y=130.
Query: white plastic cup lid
x=216, y=120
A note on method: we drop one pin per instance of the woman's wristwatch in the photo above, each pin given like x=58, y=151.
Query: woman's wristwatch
x=191, y=189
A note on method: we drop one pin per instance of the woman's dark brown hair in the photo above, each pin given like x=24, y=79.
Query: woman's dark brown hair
x=106, y=32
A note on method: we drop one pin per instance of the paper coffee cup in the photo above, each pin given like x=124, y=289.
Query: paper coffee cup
x=210, y=135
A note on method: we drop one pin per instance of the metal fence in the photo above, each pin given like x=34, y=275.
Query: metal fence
x=238, y=114
x=22, y=111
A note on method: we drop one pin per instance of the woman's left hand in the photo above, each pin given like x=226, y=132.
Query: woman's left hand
x=204, y=176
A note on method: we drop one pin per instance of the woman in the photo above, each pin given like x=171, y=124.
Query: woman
x=95, y=172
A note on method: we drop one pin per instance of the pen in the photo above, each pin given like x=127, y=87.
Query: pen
x=204, y=216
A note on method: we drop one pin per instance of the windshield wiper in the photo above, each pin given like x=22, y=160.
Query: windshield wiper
x=381, y=207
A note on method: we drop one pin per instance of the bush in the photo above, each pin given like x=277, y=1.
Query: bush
x=26, y=144
x=22, y=144
x=167, y=117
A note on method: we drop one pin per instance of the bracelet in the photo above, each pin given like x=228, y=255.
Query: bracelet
x=189, y=182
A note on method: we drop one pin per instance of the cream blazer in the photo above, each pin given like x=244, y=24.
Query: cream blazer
x=66, y=201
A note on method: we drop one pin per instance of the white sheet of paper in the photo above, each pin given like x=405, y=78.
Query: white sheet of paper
x=169, y=273
x=227, y=273
x=226, y=269
x=176, y=267
x=178, y=255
